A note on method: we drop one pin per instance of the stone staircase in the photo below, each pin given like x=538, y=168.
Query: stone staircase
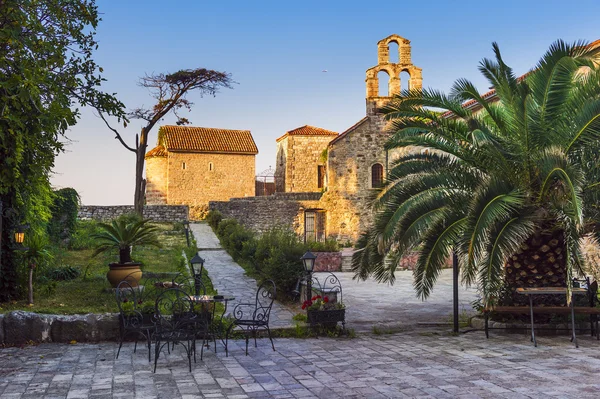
x=347, y=259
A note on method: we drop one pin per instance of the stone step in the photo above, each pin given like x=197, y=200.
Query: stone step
x=347, y=259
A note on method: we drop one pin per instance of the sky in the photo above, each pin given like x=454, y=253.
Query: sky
x=276, y=52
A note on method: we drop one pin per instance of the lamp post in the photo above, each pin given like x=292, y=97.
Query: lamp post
x=308, y=260
x=197, y=266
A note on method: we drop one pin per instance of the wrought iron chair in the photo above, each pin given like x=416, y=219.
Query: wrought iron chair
x=177, y=324
x=250, y=317
x=133, y=317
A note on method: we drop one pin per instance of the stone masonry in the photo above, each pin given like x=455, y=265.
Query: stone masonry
x=262, y=213
x=158, y=213
x=299, y=156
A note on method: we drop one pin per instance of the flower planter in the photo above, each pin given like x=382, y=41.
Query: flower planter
x=327, y=318
x=118, y=272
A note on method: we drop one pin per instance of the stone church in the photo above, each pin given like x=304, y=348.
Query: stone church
x=324, y=179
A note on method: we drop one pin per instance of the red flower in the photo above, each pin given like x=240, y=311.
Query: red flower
x=326, y=299
x=314, y=298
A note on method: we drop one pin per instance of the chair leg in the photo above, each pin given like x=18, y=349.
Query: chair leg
x=227, y=340
x=254, y=334
x=156, y=353
x=271, y=338
x=135, y=345
x=189, y=350
x=247, y=337
x=149, y=346
x=120, y=344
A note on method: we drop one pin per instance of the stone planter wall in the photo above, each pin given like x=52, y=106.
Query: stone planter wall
x=328, y=262
x=20, y=327
x=157, y=213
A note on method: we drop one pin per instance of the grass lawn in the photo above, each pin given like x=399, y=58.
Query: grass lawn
x=90, y=292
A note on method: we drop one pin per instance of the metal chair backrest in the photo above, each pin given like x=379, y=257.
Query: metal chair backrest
x=174, y=310
x=265, y=295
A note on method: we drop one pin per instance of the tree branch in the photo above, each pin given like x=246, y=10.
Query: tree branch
x=118, y=135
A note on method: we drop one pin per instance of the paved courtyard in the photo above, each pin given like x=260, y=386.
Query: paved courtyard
x=404, y=365
x=368, y=302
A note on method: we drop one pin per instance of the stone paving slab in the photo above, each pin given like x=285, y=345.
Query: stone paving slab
x=370, y=366
x=369, y=302
x=205, y=238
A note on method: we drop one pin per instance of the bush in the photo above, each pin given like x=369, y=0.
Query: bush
x=64, y=208
x=213, y=218
x=326, y=246
x=82, y=236
x=64, y=273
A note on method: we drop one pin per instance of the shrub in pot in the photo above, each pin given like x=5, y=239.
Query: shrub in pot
x=121, y=235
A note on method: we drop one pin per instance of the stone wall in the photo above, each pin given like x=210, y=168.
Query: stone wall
x=158, y=213
x=156, y=181
x=195, y=179
x=302, y=156
x=262, y=213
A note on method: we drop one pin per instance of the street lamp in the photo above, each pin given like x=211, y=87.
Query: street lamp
x=308, y=260
x=20, y=233
x=197, y=266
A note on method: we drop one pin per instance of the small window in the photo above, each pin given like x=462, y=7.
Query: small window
x=211, y=167
x=320, y=176
x=183, y=165
x=377, y=175
x=314, y=226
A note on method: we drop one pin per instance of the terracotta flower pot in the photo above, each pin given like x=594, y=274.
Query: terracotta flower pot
x=118, y=272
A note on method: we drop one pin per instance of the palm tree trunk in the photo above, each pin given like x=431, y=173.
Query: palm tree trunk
x=30, y=285
x=539, y=262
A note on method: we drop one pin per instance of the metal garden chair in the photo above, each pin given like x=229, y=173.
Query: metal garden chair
x=250, y=317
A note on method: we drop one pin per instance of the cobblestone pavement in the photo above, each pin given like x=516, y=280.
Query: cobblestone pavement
x=368, y=302
x=371, y=366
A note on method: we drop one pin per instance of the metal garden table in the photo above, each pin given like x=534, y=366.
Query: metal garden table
x=530, y=292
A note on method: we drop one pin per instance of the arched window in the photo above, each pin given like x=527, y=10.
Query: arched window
x=404, y=80
x=384, y=83
x=394, y=54
x=376, y=175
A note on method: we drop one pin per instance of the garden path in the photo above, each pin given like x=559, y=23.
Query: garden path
x=229, y=278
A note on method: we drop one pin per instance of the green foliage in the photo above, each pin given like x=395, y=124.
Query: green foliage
x=213, y=218
x=83, y=236
x=64, y=214
x=64, y=273
x=123, y=233
x=301, y=317
x=324, y=246
x=493, y=173
x=46, y=72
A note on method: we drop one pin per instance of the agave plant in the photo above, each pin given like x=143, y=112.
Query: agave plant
x=492, y=179
x=122, y=234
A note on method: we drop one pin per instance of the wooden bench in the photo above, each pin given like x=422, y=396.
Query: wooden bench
x=524, y=310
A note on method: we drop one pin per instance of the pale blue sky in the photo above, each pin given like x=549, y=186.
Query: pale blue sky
x=276, y=51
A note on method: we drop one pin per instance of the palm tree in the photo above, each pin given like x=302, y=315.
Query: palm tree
x=492, y=181
x=122, y=234
x=36, y=255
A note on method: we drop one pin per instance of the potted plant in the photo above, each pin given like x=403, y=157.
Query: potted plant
x=323, y=311
x=122, y=234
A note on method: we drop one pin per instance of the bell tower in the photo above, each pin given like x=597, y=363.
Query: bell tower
x=393, y=70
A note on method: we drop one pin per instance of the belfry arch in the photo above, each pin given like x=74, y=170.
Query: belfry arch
x=394, y=70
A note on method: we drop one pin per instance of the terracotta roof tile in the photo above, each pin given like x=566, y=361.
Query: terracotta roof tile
x=158, y=151
x=204, y=139
x=307, y=130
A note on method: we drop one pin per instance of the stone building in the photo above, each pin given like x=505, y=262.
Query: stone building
x=194, y=165
x=344, y=167
x=301, y=159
